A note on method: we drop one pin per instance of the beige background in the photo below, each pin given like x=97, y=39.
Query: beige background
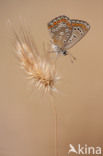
x=27, y=126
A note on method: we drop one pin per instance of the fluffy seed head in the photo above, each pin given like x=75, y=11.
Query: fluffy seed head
x=41, y=69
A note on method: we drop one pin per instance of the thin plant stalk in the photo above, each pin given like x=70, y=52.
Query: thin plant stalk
x=56, y=128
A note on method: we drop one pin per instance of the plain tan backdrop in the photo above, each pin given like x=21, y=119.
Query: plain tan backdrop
x=27, y=126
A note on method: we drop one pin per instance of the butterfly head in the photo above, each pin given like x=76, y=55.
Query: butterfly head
x=64, y=52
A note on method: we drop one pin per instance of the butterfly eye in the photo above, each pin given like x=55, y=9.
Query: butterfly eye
x=65, y=52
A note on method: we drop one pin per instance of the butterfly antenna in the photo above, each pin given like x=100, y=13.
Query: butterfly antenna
x=73, y=58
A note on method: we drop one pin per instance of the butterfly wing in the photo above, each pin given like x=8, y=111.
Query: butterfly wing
x=60, y=29
x=79, y=29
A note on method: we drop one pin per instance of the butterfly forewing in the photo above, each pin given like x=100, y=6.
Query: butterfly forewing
x=60, y=30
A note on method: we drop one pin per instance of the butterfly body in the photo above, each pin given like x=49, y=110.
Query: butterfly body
x=57, y=49
x=65, y=32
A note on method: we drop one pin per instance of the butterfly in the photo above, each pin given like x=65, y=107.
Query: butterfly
x=66, y=32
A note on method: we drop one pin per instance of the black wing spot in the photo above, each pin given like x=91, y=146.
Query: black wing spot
x=74, y=36
x=79, y=29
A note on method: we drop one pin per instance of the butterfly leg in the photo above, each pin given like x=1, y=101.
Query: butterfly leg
x=72, y=58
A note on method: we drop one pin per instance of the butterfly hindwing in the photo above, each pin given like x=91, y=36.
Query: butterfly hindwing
x=79, y=29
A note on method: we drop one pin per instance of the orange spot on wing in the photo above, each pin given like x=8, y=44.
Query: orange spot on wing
x=65, y=21
x=54, y=23
x=62, y=19
x=50, y=26
x=59, y=21
x=80, y=25
x=69, y=25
